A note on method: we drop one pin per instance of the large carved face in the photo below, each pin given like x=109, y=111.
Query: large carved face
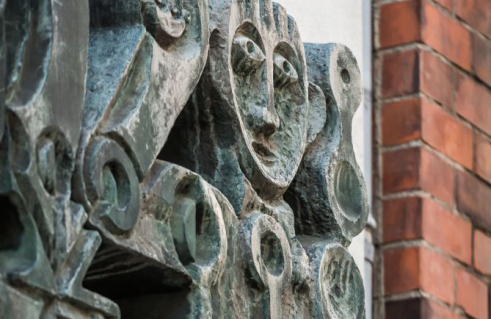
x=268, y=86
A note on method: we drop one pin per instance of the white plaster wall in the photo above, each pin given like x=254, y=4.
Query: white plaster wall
x=347, y=22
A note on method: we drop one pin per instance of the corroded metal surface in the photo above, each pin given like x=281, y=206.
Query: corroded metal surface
x=175, y=159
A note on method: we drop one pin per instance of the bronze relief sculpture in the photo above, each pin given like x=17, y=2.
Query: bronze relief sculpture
x=175, y=159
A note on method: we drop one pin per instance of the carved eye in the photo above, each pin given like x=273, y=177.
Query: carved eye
x=247, y=56
x=284, y=72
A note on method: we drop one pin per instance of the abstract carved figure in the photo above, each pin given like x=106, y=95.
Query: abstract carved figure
x=335, y=205
x=175, y=159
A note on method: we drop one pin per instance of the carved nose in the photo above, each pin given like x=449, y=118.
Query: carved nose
x=270, y=123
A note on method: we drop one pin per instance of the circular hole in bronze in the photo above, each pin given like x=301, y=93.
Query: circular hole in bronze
x=272, y=253
x=116, y=185
x=250, y=47
x=345, y=76
x=347, y=190
x=286, y=67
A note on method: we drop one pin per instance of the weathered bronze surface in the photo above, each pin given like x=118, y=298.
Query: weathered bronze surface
x=175, y=159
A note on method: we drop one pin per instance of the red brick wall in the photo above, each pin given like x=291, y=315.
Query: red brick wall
x=432, y=147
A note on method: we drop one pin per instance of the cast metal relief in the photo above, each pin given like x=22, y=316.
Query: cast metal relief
x=175, y=159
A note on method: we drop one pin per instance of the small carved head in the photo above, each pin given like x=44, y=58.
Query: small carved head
x=268, y=88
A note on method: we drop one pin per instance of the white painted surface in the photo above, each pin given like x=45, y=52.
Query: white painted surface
x=347, y=22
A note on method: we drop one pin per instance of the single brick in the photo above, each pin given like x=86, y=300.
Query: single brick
x=401, y=170
x=482, y=252
x=399, y=23
x=437, y=79
x=402, y=272
x=472, y=295
x=481, y=58
x=447, y=134
x=483, y=157
x=473, y=102
x=402, y=219
x=400, y=73
x=437, y=177
x=401, y=121
x=474, y=198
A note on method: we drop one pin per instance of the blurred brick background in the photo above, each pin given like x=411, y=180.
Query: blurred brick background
x=432, y=158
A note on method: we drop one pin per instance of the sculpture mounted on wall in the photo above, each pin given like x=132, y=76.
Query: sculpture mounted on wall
x=175, y=159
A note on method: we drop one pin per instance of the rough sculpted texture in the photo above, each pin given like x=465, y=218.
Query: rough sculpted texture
x=175, y=159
